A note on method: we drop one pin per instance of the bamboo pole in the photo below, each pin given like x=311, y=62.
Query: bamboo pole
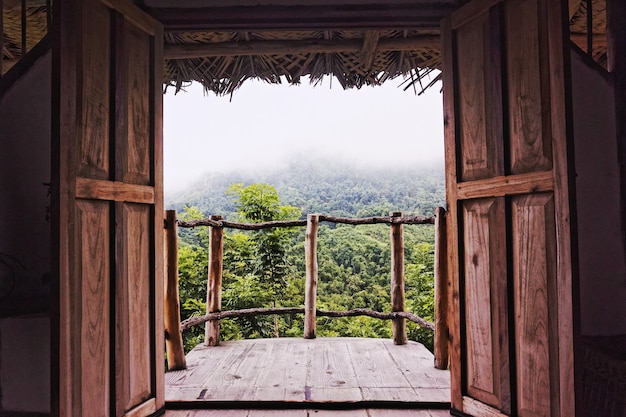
x=397, y=280
x=310, y=293
x=173, y=337
x=441, y=291
x=214, y=284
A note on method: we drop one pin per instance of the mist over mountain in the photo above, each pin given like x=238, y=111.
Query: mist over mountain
x=323, y=186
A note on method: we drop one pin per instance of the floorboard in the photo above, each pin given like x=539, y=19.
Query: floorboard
x=375, y=412
x=318, y=371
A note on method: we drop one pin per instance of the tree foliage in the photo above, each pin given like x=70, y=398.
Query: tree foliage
x=266, y=268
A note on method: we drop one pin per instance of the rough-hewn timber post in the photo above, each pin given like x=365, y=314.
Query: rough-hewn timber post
x=441, y=291
x=397, y=280
x=214, y=285
x=310, y=291
x=173, y=337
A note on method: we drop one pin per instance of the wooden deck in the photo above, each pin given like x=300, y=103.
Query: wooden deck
x=317, y=374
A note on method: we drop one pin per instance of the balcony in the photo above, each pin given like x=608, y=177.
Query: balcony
x=328, y=374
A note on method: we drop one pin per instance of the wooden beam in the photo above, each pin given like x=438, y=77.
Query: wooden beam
x=370, y=43
x=328, y=17
x=310, y=292
x=289, y=47
x=214, y=285
x=89, y=188
x=398, y=326
x=440, y=345
x=173, y=336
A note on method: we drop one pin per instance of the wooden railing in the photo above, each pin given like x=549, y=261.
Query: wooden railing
x=174, y=327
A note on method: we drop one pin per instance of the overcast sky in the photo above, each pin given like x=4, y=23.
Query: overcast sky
x=265, y=126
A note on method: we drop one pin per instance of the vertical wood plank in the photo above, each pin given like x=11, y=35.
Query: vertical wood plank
x=486, y=307
x=310, y=290
x=528, y=87
x=450, y=135
x=133, y=306
x=156, y=177
x=398, y=326
x=565, y=322
x=137, y=155
x=91, y=308
x=441, y=291
x=534, y=277
x=173, y=336
x=95, y=93
x=214, y=285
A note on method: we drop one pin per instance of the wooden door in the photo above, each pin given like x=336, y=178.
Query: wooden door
x=108, y=210
x=508, y=191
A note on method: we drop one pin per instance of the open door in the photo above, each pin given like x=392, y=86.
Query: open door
x=108, y=210
x=509, y=192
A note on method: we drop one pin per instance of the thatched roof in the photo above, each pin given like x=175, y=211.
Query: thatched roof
x=354, y=58
x=221, y=43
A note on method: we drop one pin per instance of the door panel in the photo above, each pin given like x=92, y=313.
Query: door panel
x=534, y=272
x=108, y=210
x=508, y=185
x=528, y=86
x=92, y=362
x=133, y=319
x=486, y=321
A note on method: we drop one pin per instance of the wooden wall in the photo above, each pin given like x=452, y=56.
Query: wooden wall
x=25, y=237
x=602, y=256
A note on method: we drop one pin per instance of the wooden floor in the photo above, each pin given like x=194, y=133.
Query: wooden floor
x=373, y=377
x=372, y=412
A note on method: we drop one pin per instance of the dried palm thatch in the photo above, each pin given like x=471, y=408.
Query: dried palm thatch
x=353, y=58
x=36, y=28
x=579, y=29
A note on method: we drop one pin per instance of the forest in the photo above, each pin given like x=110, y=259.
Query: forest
x=267, y=268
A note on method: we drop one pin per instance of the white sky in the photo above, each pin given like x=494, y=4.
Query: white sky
x=264, y=126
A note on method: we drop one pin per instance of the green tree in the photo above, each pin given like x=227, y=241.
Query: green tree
x=264, y=259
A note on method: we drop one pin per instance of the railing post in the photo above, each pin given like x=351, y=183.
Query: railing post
x=310, y=292
x=173, y=337
x=214, y=284
x=397, y=280
x=441, y=291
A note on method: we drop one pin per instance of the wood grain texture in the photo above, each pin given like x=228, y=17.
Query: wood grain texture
x=91, y=313
x=318, y=370
x=133, y=306
x=476, y=146
x=398, y=326
x=214, y=284
x=528, y=86
x=114, y=191
x=95, y=111
x=135, y=160
x=310, y=287
x=363, y=412
x=453, y=264
x=171, y=309
x=441, y=341
x=507, y=185
x=476, y=408
x=88, y=66
x=566, y=327
x=486, y=309
x=534, y=273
